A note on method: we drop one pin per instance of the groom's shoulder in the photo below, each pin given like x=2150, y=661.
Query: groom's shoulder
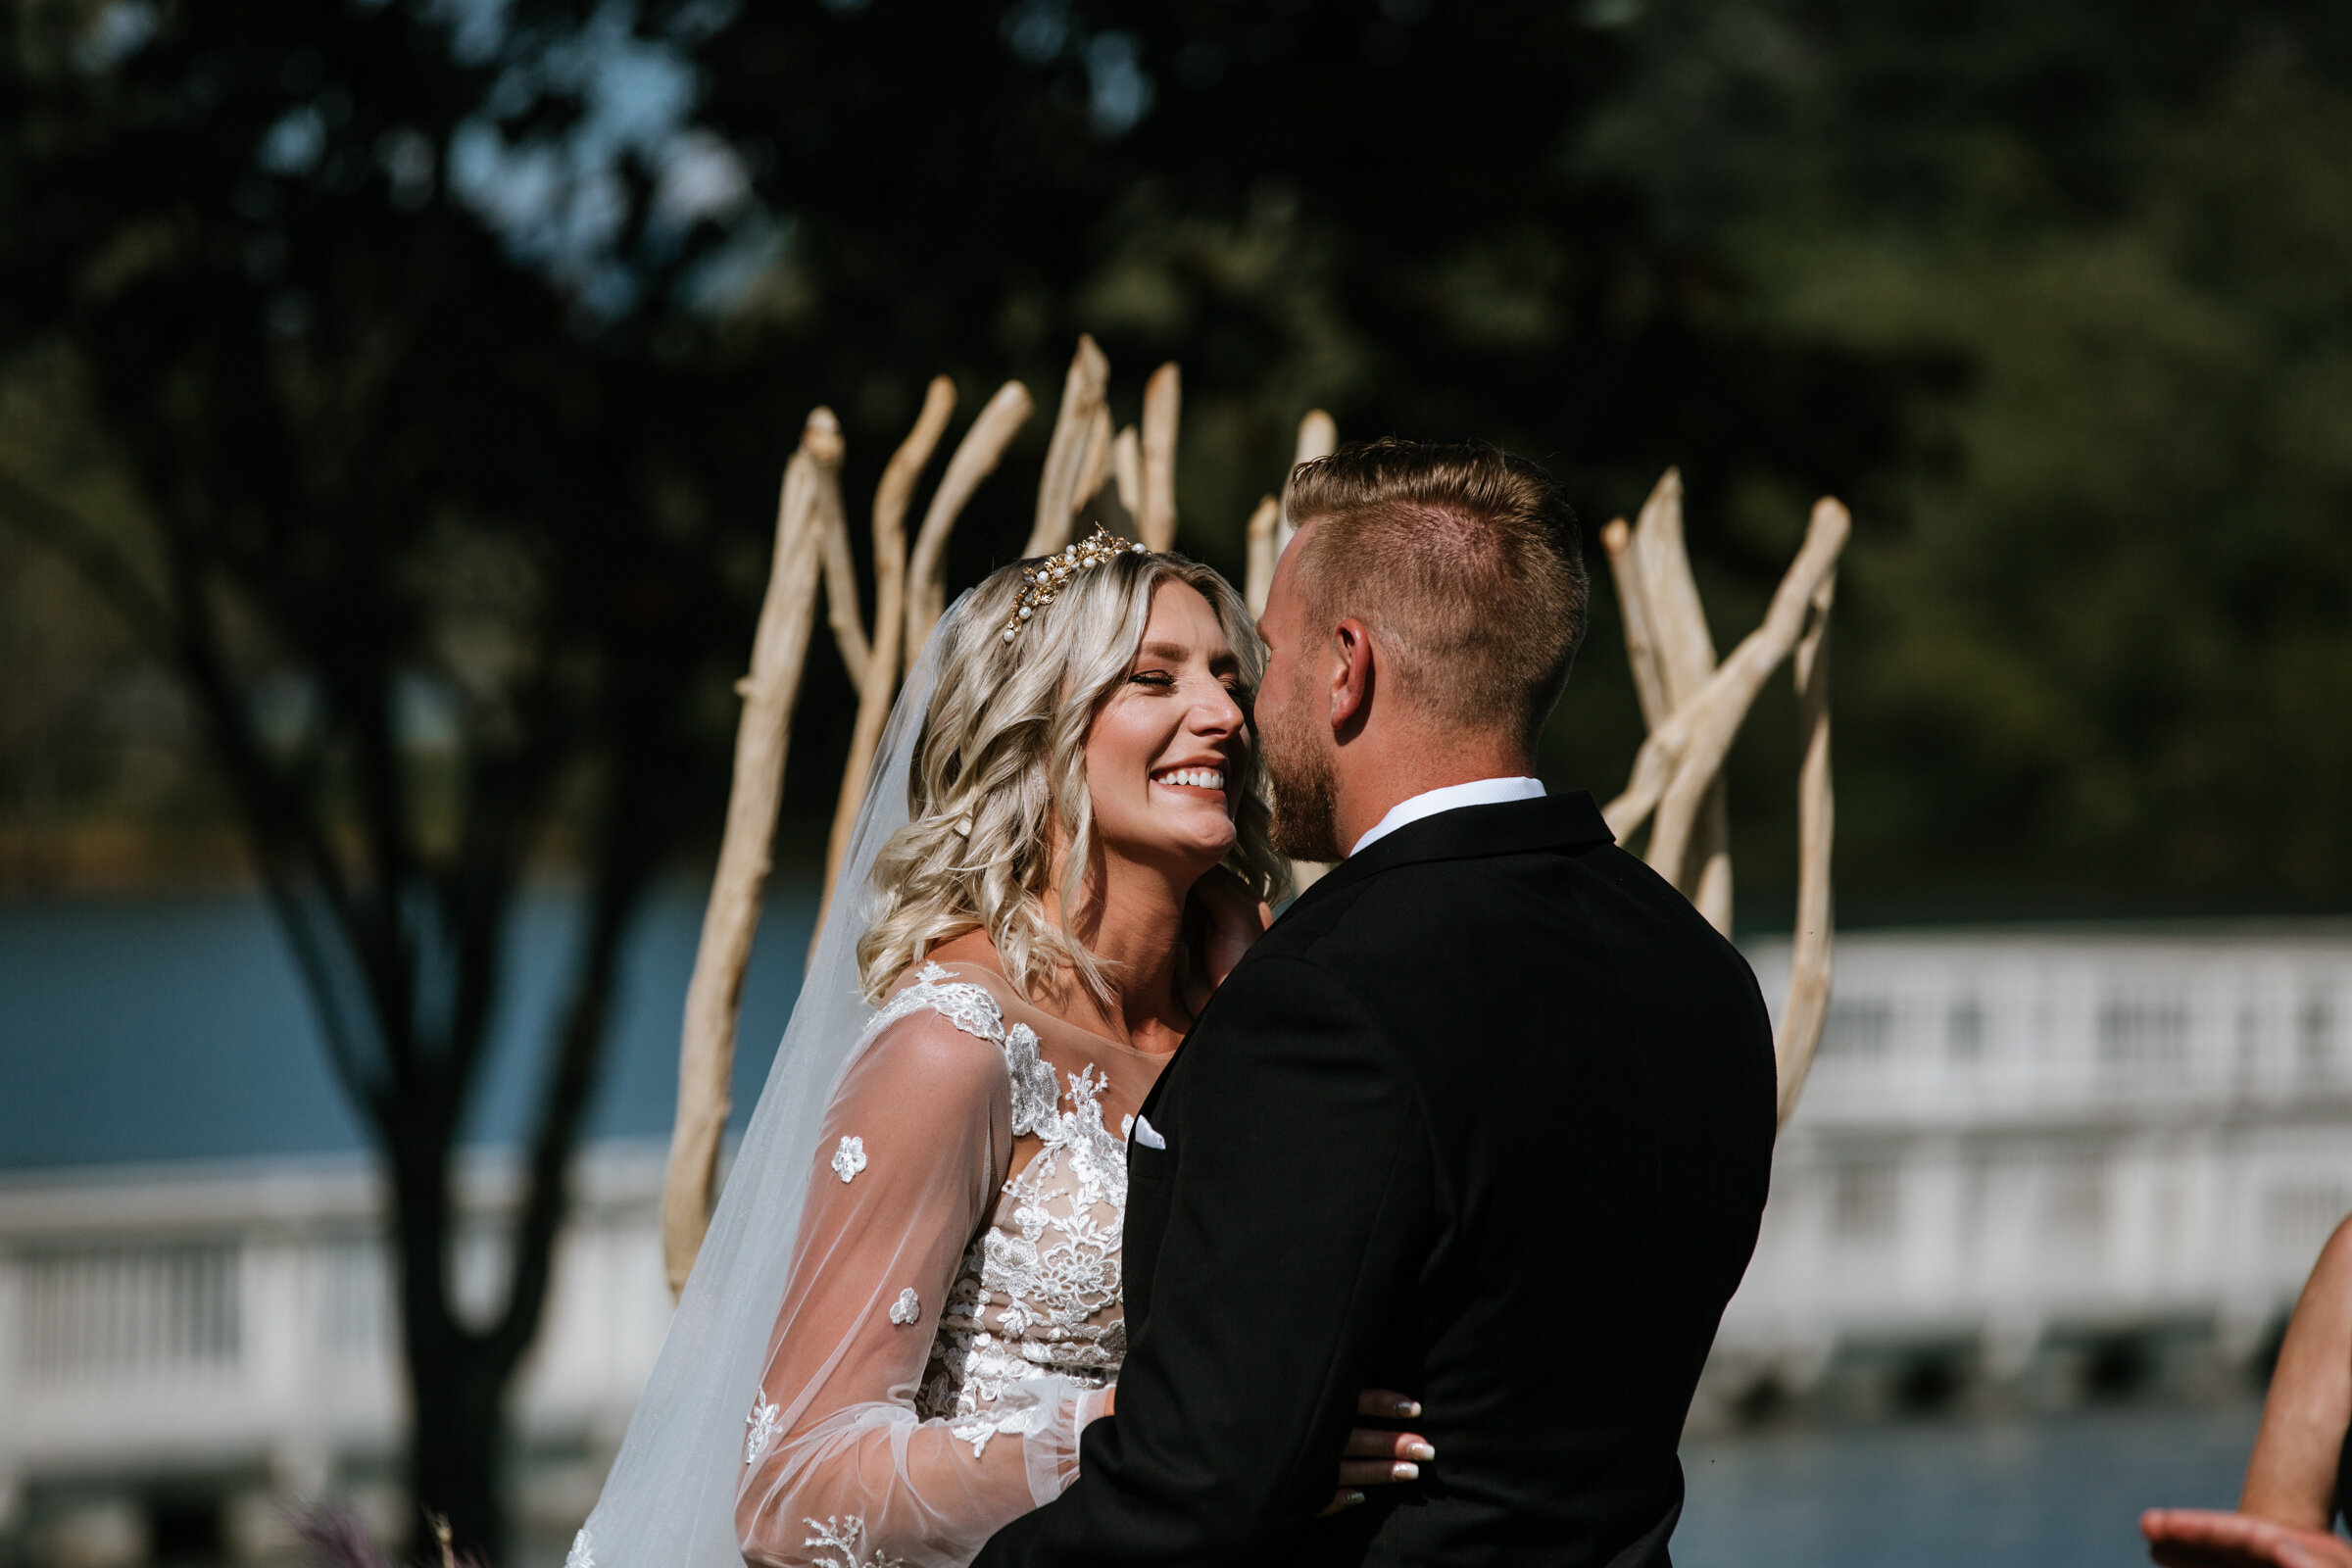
x=1525, y=890
x=1380, y=919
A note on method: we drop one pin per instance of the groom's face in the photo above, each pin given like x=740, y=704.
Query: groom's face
x=1294, y=732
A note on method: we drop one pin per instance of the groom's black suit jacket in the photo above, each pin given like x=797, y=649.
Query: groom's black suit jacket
x=1486, y=1117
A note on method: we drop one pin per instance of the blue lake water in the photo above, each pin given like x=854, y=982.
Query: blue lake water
x=2049, y=1491
x=174, y=1028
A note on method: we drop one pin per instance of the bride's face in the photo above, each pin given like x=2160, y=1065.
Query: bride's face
x=1166, y=752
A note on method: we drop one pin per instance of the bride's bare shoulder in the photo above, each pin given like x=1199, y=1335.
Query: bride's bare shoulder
x=971, y=949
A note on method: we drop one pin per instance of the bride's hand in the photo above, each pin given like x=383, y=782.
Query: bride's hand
x=1230, y=919
x=1376, y=1457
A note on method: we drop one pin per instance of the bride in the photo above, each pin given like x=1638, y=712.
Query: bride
x=914, y=1276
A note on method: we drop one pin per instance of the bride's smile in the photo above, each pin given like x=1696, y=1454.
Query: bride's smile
x=1172, y=741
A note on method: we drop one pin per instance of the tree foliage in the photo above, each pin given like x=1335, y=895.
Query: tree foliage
x=2096, y=635
x=415, y=544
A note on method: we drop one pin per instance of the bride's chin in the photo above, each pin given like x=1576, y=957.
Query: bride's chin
x=1192, y=857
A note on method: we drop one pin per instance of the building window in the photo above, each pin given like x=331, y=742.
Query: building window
x=1862, y=1204
x=2077, y=1215
x=2298, y=1217
x=2141, y=1030
x=1861, y=1027
x=1964, y=1029
x=2314, y=1029
x=355, y=1299
x=129, y=1310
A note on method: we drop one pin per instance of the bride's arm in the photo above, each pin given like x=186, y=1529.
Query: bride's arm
x=833, y=1446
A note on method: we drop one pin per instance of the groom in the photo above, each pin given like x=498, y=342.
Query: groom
x=1486, y=1117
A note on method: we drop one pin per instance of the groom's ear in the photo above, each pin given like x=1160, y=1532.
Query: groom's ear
x=1351, y=677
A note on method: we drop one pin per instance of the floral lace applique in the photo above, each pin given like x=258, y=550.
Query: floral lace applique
x=970, y=1008
x=844, y=1535
x=763, y=1421
x=849, y=1158
x=1026, y=1416
x=1038, y=1292
x=907, y=1308
x=582, y=1553
x=1039, y=1289
x=1063, y=1266
x=1033, y=1097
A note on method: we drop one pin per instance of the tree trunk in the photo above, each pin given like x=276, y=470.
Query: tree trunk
x=456, y=1449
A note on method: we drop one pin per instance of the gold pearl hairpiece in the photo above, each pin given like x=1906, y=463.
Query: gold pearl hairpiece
x=1051, y=575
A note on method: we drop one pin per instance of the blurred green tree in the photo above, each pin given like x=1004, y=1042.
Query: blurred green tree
x=410, y=514
x=2096, y=636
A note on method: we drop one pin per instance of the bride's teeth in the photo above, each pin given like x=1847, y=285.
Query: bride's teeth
x=1204, y=778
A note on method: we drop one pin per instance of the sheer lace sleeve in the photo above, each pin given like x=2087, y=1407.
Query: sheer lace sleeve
x=841, y=1468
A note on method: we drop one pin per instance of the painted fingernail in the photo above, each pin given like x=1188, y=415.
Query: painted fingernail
x=1352, y=1500
x=1404, y=1472
x=1408, y=1407
x=1419, y=1450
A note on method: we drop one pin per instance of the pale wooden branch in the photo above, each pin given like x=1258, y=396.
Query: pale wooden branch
x=1094, y=471
x=1058, y=495
x=1680, y=757
x=976, y=458
x=763, y=737
x=1711, y=738
x=881, y=682
x=1127, y=472
x=1678, y=623
x=1810, y=948
x=1260, y=580
x=1163, y=396
x=1318, y=437
x=1624, y=566
x=841, y=582
x=1711, y=889
x=1684, y=652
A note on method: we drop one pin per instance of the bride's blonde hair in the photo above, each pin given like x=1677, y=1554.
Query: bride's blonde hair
x=1000, y=766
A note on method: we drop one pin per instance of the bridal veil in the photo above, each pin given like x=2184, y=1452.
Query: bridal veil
x=670, y=1498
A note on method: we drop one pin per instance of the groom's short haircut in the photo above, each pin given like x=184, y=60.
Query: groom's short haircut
x=1464, y=563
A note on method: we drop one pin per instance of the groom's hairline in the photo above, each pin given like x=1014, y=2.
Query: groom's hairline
x=1480, y=532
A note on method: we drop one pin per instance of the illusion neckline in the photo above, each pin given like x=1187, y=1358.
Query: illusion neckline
x=1010, y=996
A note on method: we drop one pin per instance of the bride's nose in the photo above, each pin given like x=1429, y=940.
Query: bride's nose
x=1218, y=713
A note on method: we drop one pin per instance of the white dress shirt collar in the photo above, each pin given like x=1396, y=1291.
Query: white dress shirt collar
x=1429, y=803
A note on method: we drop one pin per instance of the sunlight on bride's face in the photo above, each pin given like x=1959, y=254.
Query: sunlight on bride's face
x=1166, y=751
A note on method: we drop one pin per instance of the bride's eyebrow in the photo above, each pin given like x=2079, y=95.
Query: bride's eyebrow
x=1175, y=653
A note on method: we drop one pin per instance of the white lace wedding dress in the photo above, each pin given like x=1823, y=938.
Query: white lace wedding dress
x=953, y=1312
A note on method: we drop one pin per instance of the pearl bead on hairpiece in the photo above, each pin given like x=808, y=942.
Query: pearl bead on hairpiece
x=1051, y=575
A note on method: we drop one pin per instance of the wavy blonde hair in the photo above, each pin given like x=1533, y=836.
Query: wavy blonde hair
x=1000, y=766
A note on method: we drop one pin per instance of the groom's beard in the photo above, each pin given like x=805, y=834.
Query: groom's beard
x=1305, y=823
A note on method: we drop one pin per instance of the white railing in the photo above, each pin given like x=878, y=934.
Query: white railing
x=2012, y=1134
x=128, y=1311
x=225, y=1319
x=2006, y=1134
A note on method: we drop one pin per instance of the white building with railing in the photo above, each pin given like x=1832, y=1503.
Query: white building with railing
x=2020, y=1152
x=188, y=1348
x=2035, y=1157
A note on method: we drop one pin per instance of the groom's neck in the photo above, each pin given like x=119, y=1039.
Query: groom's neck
x=1383, y=767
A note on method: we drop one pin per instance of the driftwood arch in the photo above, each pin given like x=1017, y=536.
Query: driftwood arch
x=1126, y=479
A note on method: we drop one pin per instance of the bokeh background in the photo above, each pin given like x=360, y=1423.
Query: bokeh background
x=392, y=400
